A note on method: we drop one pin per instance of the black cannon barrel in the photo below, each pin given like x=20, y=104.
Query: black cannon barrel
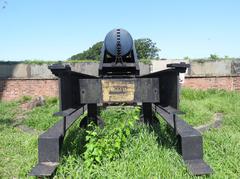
x=118, y=42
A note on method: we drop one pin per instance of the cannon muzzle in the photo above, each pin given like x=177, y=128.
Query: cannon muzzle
x=118, y=42
x=118, y=56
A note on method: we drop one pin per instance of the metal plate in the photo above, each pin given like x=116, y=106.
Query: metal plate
x=90, y=91
x=118, y=90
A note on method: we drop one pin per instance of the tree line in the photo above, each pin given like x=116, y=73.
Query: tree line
x=145, y=48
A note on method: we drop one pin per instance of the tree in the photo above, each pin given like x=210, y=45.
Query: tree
x=214, y=56
x=145, y=48
x=186, y=58
x=93, y=53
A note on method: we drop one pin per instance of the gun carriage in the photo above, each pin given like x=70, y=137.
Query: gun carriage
x=119, y=82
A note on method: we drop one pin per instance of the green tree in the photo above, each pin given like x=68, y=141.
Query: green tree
x=93, y=53
x=214, y=56
x=145, y=48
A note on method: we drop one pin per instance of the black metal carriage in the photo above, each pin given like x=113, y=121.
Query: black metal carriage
x=119, y=82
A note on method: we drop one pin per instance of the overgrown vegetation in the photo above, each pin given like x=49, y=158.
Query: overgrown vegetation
x=41, y=62
x=126, y=148
x=213, y=58
x=106, y=144
x=142, y=60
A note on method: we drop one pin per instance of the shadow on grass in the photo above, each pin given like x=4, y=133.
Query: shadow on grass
x=6, y=122
x=74, y=140
x=165, y=134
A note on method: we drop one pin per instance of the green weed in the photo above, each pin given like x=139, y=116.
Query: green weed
x=107, y=143
x=24, y=99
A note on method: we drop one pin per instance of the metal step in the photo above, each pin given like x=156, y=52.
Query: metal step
x=198, y=167
x=44, y=169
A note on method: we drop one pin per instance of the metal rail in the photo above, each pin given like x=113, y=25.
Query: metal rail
x=50, y=142
x=190, y=140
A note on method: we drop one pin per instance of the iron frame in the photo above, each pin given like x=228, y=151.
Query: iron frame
x=161, y=97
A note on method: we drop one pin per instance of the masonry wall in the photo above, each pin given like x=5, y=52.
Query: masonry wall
x=11, y=89
x=17, y=80
x=213, y=82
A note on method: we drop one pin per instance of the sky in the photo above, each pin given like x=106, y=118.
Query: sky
x=58, y=29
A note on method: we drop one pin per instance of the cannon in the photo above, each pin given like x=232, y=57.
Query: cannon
x=119, y=82
x=118, y=55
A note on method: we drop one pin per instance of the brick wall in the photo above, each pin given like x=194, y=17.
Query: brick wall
x=219, y=82
x=15, y=88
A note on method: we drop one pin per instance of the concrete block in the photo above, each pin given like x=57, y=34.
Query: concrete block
x=90, y=68
x=40, y=71
x=208, y=68
x=13, y=70
x=144, y=68
x=235, y=66
x=20, y=71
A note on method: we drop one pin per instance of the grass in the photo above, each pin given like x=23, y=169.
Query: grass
x=18, y=150
x=41, y=118
x=145, y=154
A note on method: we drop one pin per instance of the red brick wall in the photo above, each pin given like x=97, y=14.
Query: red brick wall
x=220, y=82
x=15, y=88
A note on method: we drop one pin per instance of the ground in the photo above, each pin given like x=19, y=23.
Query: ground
x=124, y=148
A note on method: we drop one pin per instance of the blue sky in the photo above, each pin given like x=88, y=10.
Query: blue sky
x=58, y=29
